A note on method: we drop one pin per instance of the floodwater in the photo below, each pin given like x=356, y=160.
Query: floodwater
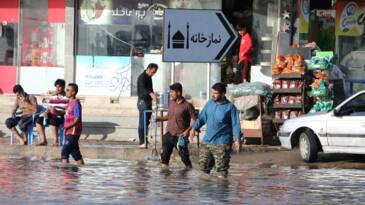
x=34, y=181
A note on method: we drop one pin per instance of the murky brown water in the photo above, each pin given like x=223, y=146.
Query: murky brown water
x=27, y=181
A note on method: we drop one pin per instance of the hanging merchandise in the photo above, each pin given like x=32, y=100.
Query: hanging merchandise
x=319, y=63
x=322, y=106
x=320, y=66
x=320, y=91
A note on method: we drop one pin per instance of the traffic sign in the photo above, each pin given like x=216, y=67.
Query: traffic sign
x=196, y=35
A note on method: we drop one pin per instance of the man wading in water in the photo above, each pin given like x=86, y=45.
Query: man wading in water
x=223, y=129
x=181, y=117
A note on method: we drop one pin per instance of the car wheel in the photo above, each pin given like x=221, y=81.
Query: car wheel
x=308, y=146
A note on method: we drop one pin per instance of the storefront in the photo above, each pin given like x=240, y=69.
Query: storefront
x=338, y=26
x=103, y=45
x=117, y=40
x=32, y=44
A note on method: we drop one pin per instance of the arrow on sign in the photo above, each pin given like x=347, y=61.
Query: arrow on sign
x=196, y=35
x=231, y=39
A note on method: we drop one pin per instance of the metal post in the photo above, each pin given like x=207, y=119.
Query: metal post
x=161, y=114
x=172, y=72
x=145, y=128
x=18, y=48
x=209, y=70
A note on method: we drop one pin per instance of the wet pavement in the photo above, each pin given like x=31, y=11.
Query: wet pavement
x=32, y=181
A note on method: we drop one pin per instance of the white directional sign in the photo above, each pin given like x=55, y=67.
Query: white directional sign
x=196, y=35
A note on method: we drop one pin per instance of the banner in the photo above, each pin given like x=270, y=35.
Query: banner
x=103, y=75
x=9, y=11
x=304, y=16
x=38, y=80
x=350, y=18
x=129, y=11
x=8, y=79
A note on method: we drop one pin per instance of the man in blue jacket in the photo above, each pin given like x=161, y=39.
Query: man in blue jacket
x=222, y=130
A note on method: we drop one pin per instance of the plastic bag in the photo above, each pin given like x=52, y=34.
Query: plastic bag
x=292, y=100
x=293, y=114
x=285, y=114
x=251, y=113
x=322, y=106
x=319, y=63
x=284, y=100
x=243, y=103
x=244, y=89
x=293, y=84
x=278, y=114
x=277, y=84
x=321, y=91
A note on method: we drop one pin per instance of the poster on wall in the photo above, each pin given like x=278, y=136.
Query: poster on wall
x=326, y=38
x=350, y=18
x=125, y=11
x=38, y=80
x=103, y=75
x=8, y=79
x=304, y=12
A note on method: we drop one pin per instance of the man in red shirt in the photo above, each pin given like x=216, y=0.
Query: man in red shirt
x=244, y=56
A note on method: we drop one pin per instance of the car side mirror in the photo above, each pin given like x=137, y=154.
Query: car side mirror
x=337, y=112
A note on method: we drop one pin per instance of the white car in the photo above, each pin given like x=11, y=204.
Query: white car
x=341, y=130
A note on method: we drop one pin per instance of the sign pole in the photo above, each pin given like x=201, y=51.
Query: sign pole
x=172, y=72
x=209, y=70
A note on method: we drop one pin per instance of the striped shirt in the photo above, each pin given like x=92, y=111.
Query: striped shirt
x=73, y=111
x=58, y=102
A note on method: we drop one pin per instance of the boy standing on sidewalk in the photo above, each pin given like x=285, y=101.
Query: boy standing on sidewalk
x=72, y=126
x=243, y=73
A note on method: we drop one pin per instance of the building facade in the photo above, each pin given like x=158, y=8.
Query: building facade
x=103, y=45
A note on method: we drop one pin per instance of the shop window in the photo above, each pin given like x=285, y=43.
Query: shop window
x=141, y=38
x=43, y=42
x=193, y=77
x=8, y=38
x=129, y=24
x=116, y=28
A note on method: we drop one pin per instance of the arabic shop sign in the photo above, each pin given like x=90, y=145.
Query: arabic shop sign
x=119, y=11
x=196, y=35
x=350, y=18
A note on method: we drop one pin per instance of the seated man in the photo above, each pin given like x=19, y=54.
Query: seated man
x=28, y=106
x=54, y=113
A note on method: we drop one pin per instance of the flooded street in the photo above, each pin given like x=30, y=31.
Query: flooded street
x=31, y=181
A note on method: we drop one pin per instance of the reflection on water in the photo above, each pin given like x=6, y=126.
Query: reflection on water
x=28, y=181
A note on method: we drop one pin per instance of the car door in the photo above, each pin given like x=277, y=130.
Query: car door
x=346, y=128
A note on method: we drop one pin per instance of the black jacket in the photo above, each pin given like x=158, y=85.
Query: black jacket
x=144, y=87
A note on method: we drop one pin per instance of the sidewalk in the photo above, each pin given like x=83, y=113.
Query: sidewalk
x=112, y=150
x=102, y=120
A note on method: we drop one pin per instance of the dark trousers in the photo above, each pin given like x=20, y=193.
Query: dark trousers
x=142, y=106
x=168, y=143
x=23, y=122
x=243, y=72
x=72, y=147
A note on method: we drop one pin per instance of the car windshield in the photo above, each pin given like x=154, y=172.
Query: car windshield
x=355, y=107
